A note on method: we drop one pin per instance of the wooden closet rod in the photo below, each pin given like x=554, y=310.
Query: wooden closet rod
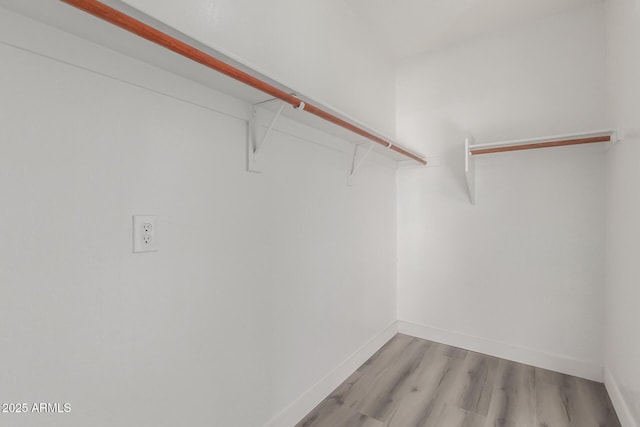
x=560, y=143
x=158, y=37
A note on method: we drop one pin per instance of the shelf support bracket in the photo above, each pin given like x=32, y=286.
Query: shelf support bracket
x=470, y=169
x=253, y=145
x=353, y=163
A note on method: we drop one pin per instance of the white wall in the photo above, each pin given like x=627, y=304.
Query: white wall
x=264, y=283
x=622, y=334
x=319, y=48
x=520, y=274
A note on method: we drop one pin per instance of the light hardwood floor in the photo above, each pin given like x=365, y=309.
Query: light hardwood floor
x=411, y=382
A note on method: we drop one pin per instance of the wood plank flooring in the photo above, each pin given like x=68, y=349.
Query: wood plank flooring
x=416, y=383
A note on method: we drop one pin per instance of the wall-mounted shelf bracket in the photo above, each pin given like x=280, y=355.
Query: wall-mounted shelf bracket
x=470, y=170
x=355, y=159
x=258, y=131
x=256, y=138
x=610, y=136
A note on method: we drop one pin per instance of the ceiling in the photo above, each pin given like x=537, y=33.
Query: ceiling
x=409, y=27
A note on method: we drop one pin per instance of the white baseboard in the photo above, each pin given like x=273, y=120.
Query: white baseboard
x=293, y=413
x=620, y=405
x=553, y=362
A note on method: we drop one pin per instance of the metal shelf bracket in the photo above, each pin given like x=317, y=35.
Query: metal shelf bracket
x=470, y=170
x=354, y=161
x=256, y=142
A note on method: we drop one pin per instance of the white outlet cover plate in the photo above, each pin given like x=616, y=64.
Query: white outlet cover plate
x=139, y=233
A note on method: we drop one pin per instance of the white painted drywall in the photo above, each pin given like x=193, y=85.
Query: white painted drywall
x=319, y=48
x=263, y=284
x=622, y=318
x=521, y=273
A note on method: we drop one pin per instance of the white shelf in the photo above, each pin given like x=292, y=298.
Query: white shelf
x=65, y=17
x=598, y=136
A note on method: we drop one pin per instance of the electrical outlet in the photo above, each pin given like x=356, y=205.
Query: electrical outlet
x=146, y=239
x=145, y=230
